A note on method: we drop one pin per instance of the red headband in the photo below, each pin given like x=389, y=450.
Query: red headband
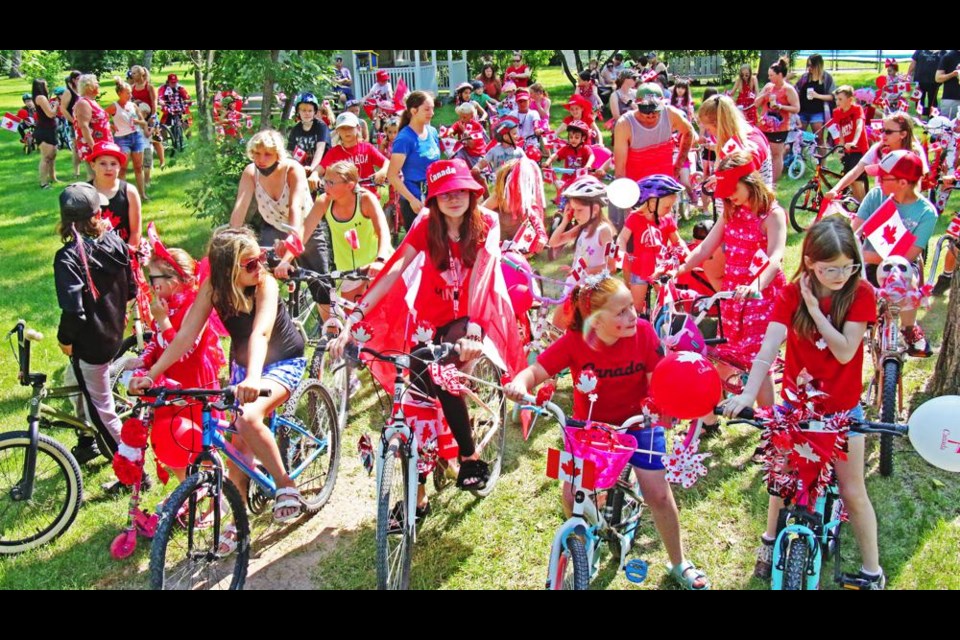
x=161, y=252
x=727, y=179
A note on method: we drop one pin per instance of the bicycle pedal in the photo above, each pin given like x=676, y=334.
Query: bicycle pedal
x=636, y=571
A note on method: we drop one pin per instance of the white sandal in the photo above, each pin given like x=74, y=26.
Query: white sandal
x=288, y=498
x=228, y=541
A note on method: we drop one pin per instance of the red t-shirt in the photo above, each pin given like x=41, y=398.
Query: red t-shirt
x=468, y=133
x=621, y=370
x=843, y=383
x=440, y=290
x=846, y=121
x=648, y=240
x=574, y=158
x=366, y=156
x=520, y=82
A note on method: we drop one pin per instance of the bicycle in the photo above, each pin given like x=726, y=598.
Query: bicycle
x=597, y=460
x=938, y=136
x=416, y=437
x=887, y=347
x=41, y=487
x=309, y=444
x=801, y=146
x=807, y=206
x=810, y=525
x=172, y=131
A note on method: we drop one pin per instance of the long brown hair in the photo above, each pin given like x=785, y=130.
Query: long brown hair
x=472, y=236
x=826, y=241
x=414, y=101
x=226, y=247
x=906, y=126
x=762, y=196
x=590, y=299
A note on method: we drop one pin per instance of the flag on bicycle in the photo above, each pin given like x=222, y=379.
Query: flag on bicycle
x=563, y=466
x=9, y=122
x=887, y=233
x=954, y=229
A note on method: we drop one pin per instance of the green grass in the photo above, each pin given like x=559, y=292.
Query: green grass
x=499, y=543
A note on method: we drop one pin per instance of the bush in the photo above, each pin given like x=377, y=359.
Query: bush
x=218, y=165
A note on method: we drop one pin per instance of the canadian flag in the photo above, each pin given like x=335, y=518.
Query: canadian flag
x=733, y=145
x=833, y=208
x=954, y=229
x=886, y=232
x=565, y=467
x=9, y=122
x=759, y=264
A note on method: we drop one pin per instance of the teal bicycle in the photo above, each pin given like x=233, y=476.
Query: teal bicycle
x=203, y=537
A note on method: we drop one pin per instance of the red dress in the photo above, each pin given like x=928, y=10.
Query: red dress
x=746, y=101
x=99, y=127
x=745, y=321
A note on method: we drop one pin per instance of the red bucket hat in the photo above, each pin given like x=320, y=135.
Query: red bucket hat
x=107, y=149
x=579, y=101
x=445, y=176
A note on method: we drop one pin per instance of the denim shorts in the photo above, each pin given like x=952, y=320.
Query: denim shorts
x=636, y=281
x=132, y=142
x=287, y=373
x=654, y=439
x=807, y=118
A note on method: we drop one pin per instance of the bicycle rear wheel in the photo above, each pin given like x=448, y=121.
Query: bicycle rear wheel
x=57, y=493
x=805, y=208
x=394, y=537
x=314, y=452
x=489, y=420
x=185, y=554
x=626, y=510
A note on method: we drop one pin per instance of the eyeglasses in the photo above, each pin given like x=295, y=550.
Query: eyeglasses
x=838, y=272
x=453, y=195
x=253, y=264
x=153, y=278
x=890, y=132
x=333, y=183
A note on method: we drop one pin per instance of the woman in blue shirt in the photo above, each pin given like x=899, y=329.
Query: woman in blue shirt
x=415, y=148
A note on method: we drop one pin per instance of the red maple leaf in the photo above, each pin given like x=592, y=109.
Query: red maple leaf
x=570, y=469
x=758, y=261
x=890, y=234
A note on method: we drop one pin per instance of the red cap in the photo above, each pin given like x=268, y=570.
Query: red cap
x=727, y=179
x=445, y=176
x=523, y=94
x=107, y=149
x=383, y=76
x=901, y=164
x=173, y=78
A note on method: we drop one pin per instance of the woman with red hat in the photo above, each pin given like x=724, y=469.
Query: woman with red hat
x=124, y=207
x=753, y=234
x=454, y=247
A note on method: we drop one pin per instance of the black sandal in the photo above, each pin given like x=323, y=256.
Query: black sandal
x=473, y=475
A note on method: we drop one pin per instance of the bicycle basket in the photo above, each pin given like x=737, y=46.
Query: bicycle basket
x=609, y=452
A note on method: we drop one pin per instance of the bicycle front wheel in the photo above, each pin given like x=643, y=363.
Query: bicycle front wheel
x=795, y=566
x=57, y=493
x=186, y=555
x=311, y=456
x=573, y=567
x=394, y=537
x=805, y=208
x=888, y=413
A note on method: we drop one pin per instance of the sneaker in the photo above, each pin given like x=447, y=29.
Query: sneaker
x=763, y=569
x=943, y=284
x=117, y=488
x=85, y=451
x=710, y=431
x=917, y=344
x=873, y=582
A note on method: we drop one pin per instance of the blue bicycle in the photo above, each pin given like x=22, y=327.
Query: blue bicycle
x=203, y=538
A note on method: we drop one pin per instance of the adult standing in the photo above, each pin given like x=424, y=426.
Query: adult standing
x=947, y=73
x=91, y=122
x=624, y=99
x=815, y=90
x=491, y=84
x=923, y=70
x=519, y=72
x=415, y=148
x=609, y=76
x=778, y=101
x=127, y=126
x=68, y=101
x=144, y=92
x=343, y=81
x=45, y=133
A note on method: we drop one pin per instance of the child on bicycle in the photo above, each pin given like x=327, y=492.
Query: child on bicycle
x=576, y=154
x=586, y=224
x=653, y=229
x=608, y=337
x=94, y=281
x=823, y=316
x=266, y=352
x=470, y=133
x=353, y=106
x=851, y=123
x=581, y=110
x=370, y=162
x=508, y=147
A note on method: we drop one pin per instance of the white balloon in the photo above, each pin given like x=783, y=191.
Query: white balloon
x=623, y=193
x=935, y=432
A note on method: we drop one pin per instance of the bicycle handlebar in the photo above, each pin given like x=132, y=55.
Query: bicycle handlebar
x=749, y=416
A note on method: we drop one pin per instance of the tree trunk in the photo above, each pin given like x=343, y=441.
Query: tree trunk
x=202, y=60
x=945, y=380
x=148, y=58
x=16, y=58
x=268, y=81
x=566, y=66
x=767, y=58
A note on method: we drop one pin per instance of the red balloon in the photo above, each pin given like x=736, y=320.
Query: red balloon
x=176, y=442
x=518, y=284
x=685, y=385
x=881, y=82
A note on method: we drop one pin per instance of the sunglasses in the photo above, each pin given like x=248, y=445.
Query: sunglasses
x=253, y=264
x=890, y=132
x=838, y=272
x=887, y=268
x=153, y=279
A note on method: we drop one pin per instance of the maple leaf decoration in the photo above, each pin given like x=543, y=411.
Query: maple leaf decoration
x=758, y=261
x=570, y=469
x=890, y=234
x=806, y=452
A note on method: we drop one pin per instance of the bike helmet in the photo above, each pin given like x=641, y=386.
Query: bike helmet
x=27, y=96
x=307, y=98
x=383, y=76
x=351, y=103
x=587, y=188
x=476, y=85
x=578, y=125
x=658, y=186
x=59, y=91
x=505, y=126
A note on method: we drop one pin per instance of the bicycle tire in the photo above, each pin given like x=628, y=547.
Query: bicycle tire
x=181, y=559
x=312, y=408
x=797, y=168
x=43, y=520
x=804, y=208
x=573, y=567
x=394, y=549
x=888, y=413
x=795, y=565
x=623, y=508
x=492, y=453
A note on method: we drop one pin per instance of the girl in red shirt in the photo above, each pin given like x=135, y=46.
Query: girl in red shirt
x=822, y=316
